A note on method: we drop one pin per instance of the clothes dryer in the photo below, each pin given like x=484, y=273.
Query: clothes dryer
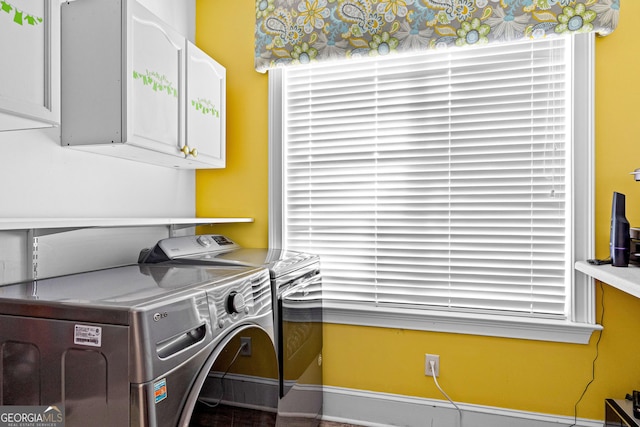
x=141, y=345
x=297, y=300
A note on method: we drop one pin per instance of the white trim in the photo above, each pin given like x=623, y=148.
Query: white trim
x=276, y=107
x=583, y=301
x=374, y=409
x=462, y=323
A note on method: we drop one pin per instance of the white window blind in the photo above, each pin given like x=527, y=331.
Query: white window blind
x=436, y=181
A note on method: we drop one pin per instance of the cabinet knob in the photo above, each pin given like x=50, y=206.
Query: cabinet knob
x=189, y=151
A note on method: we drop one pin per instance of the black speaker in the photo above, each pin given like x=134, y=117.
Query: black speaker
x=619, y=240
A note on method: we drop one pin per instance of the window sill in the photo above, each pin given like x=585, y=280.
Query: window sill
x=460, y=323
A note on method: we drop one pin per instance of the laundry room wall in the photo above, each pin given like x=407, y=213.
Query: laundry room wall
x=522, y=375
x=41, y=179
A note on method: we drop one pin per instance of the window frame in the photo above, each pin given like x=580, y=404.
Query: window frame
x=580, y=324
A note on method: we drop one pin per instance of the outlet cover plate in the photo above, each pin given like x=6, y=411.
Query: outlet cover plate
x=427, y=364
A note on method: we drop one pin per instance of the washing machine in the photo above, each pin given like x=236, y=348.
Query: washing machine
x=297, y=300
x=142, y=345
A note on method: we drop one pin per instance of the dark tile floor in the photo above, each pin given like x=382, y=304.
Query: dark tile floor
x=226, y=416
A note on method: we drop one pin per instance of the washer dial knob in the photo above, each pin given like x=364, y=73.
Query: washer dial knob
x=204, y=241
x=235, y=303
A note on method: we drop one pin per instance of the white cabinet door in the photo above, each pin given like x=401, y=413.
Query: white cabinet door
x=205, y=108
x=155, y=72
x=30, y=71
x=122, y=82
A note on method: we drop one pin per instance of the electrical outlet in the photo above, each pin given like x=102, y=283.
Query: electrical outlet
x=436, y=364
x=246, y=343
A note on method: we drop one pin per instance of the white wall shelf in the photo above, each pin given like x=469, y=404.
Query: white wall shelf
x=626, y=279
x=43, y=226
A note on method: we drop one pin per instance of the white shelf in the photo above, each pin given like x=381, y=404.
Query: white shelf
x=626, y=279
x=63, y=224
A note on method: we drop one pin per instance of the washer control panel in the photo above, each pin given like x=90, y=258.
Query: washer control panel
x=183, y=246
x=241, y=300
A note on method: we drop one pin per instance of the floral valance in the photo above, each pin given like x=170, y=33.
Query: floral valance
x=303, y=31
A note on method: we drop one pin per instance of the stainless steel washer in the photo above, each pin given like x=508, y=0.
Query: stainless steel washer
x=297, y=300
x=141, y=345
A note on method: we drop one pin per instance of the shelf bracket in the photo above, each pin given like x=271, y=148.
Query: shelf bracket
x=32, y=254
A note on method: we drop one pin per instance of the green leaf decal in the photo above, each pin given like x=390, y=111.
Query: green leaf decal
x=206, y=107
x=156, y=81
x=17, y=18
x=20, y=16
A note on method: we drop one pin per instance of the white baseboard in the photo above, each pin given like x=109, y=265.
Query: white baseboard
x=382, y=409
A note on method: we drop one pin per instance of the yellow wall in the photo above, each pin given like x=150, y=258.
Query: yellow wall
x=518, y=374
x=224, y=29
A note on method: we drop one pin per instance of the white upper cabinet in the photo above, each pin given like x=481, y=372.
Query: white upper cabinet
x=124, y=86
x=30, y=71
x=205, y=112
